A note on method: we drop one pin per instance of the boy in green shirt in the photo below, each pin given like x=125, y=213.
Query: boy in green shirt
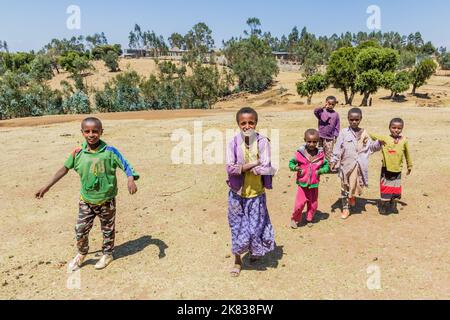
x=96, y=163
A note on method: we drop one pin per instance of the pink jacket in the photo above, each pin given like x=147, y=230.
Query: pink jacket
x=311, y=170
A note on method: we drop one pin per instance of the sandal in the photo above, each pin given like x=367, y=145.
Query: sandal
x=236, y=271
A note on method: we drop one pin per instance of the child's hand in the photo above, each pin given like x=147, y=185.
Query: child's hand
x=40, y=194
x=333, y=166
x=382, y=142
x=298, y=169
x=132, y=188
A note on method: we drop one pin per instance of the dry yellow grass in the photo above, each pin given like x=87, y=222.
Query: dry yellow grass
x=173, y=238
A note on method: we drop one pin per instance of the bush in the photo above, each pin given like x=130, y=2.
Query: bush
x=111, y=60
x=121, y=94
x=396, y=82
x=22, y=97
x=41, y=68
x=100, y=52
x=78, y=103
x=444, y=61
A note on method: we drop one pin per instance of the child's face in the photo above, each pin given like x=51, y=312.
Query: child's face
x=91, y=132
x=311, y=140
x=396, y=129
x=354, y=120
x=247, y=122
x=331, y=104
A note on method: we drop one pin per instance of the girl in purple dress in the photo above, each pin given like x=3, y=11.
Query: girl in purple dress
x=249, y=175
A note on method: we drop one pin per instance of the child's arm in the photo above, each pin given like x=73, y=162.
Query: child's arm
x=233, y=169
x=318, y=112
x=376, y=137
x=336, y=156
x=127, y=168
x=408, y=158
x=325, y=168
x=264, y=168
x=58, y=176
x=293, y=165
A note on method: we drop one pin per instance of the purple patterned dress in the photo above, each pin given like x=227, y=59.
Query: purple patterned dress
x=251, y=229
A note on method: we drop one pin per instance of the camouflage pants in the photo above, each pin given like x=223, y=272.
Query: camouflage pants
x=328, y=146
x=107, y=215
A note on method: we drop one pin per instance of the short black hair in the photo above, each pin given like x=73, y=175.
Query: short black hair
x=355, y=111
x=247, y=110
x=311, y=132
x=92, y=119
x=397, y=120
x=331, y=98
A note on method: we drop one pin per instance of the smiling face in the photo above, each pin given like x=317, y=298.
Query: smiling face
x=396, y=129
x=354, y=120
x=247, y=123
x=92, y=132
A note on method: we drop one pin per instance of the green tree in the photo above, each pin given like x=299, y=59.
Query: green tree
x=421, y=73
x=199, y=43
x=252, y=62
x=407, y=59
x=396, y=82
x=99, y=52
x=371, y=63
x=341, y=71
x=368, y=83
x=111, y=60
x=255, y=27
x=41, y=68
x=177, y=40
x=444, y=61
x=121, y=94
x=312, y=85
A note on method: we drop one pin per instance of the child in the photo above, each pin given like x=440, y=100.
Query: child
x=329, y=126
x=395, y=148
x=249, y=175
x=310, y=163
x=351, y=155
x=96, y=163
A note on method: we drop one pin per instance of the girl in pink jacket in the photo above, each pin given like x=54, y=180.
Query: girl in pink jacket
x=309, y=163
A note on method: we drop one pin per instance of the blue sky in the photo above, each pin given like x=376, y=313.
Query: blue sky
x=27, y=24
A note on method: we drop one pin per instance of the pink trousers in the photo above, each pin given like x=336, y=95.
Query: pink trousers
x=306, y=197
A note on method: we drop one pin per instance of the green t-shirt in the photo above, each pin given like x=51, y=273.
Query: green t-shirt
x=97, y=171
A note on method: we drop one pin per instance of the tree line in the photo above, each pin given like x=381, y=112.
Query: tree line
x=355, y=63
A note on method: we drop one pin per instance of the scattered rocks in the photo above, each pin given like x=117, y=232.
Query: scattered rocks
x=375, y=259
x=215, y=232
x=425, y=195
x=228, y=256
x=10, y=257
x=5, y=283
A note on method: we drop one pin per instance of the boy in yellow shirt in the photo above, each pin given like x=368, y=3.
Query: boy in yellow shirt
x=395, y=150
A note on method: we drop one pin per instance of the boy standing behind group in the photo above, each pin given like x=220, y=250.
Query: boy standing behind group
x=329, y=126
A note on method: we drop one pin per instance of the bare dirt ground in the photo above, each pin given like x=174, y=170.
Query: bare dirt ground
x=173, y=239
